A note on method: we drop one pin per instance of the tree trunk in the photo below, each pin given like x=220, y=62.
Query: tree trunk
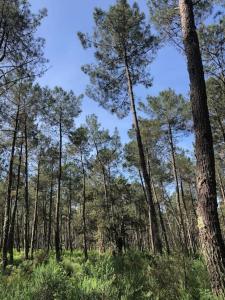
x=84, y=211
x=57, y=229
x=8, y=198
x=34, y=227
x=188, y=220
x=208, y=221
x=177, y=187
x=161, y=219
x=156, y=240
x=26, y=194
x=70, y=216
x=13, y=217
x=220, y=125
x=50, y=211
x=221, y=187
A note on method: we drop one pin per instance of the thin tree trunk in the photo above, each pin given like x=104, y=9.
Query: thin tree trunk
x=189, y=226
x=177, y=187
x=17, y=232
x=50, y=211
x=57, y=217
x=208, y=221
x=220, y=125
x=13, y=217
x=8, y=198
x=156, y=240
x=44, y=212
x=192, y=201
x=84, y=211
x=70, y=216
x=221, y=187
x=161, y=219
x=26, y=196
x=34, y=227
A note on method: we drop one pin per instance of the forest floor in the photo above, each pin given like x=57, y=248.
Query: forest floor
x=132, y=276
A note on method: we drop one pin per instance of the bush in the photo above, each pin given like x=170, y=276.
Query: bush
x=133, y=276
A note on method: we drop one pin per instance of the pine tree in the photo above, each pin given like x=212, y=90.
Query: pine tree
x=124, y=48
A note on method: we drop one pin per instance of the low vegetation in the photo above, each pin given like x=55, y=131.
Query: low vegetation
x=134, y=275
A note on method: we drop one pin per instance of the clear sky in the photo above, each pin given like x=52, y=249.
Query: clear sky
x=66, y=55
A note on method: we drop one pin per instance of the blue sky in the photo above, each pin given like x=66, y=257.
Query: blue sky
x=66, y=55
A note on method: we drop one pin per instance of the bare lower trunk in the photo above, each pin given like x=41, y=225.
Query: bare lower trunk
x=208, y=222
x=50, y=212
x=221, y=187
x=70, y=217
x=84, y=211
x=57, y=230
x=161, y=220
x=13, y=217
x=156, y=240
x=34, y=227
x=26, y=194
x=8, y=197
x=185, y=243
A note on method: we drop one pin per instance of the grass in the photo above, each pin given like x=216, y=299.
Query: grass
x=133, y=276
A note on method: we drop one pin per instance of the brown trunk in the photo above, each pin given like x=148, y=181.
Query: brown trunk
x=185, y=244
x=70, y=216
x=26, y=193
x=208, y=221
x=221, y=187
x=84, y=210
x=192, y=200
x=13, y=217
x=50, y=211
x=44, y=213
x=161, y=220
x=8, y=198
x=220, y=125
x=156, y=240
x=57, y=226
x=34, y=227
x=188, y=219
x=17, y=232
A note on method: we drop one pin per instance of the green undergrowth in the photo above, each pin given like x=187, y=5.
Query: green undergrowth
x=135, y=275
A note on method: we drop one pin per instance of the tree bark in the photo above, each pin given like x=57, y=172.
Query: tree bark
x=84, y=210
x=34, y=227
x=13, y=217
x=8, y=198
x=50, y=211
x=26, y=193
x=57, y=229
x=208, y=221
x=161, y=219
x=221, y=187
x=70, y=216
x=177, y=187
x=156, y=240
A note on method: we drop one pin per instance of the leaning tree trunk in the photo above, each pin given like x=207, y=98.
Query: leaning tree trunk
x=155, y=235
x=208, y=221
x=13, y=217
x=57, y=230
x=8, y=197
x=34, y=227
